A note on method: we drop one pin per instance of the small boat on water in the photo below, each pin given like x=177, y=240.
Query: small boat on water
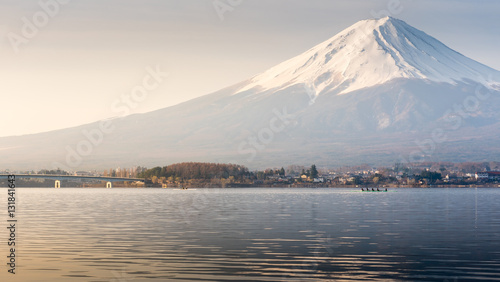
x=373, y=190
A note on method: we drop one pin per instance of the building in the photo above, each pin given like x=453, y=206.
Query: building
x=82, y=173
x=494, y=175
x=481, y=175
x=489, y=175
x=319, y=180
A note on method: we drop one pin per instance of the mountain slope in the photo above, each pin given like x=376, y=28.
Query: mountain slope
x=373, y=52
x=375, y=93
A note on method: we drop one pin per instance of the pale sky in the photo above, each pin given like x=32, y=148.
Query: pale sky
x=74, y=59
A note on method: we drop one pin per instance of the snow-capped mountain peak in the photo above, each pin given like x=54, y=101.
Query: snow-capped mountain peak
x=373, y=52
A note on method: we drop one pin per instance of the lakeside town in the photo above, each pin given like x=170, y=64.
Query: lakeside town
x=212, y=175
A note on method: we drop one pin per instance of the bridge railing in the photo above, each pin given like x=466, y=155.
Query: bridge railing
x=58, y=178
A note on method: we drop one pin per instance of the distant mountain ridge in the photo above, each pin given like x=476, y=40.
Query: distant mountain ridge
x=378, y=92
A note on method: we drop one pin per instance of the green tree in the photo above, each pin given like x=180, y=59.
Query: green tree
x=357, y=180
x=314, y=172
x=431, y=176
x=282, y=172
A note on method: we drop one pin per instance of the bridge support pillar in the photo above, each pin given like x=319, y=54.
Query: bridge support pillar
x=57, y=184
x=109, y=185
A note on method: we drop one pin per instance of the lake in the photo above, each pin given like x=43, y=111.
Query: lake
x=254, y=234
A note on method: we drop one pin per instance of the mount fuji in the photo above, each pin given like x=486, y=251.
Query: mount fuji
x=379, y=92
x=373, y=52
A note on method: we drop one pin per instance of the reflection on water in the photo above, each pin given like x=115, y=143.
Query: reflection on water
x=256, y=235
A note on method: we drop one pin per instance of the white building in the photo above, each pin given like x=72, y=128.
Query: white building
x=481, y=175
x=488, y=175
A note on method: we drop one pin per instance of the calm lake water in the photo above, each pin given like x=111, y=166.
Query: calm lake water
x=75, y=234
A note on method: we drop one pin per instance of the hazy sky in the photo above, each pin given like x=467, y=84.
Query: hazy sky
x=69, y=62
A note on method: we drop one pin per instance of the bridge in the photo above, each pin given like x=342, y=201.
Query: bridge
x=58, y=178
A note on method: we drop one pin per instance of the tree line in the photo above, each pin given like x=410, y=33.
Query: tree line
x=195, y=170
